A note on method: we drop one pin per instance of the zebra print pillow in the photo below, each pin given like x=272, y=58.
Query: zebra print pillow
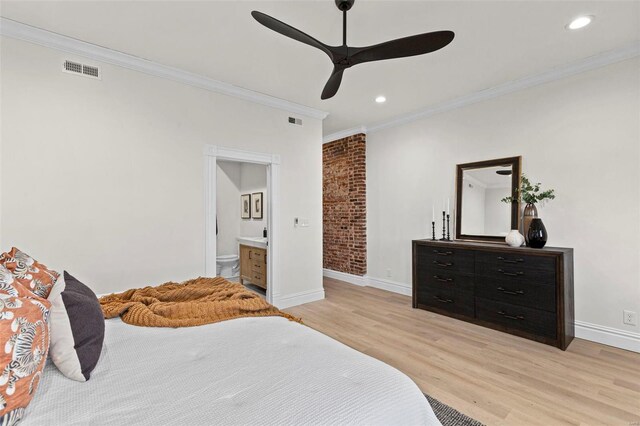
x=9, y=287
x=29, y=272
x=24, y=336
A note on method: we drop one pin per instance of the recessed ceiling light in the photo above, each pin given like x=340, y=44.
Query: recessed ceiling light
x=580, y=22
x=381, y=99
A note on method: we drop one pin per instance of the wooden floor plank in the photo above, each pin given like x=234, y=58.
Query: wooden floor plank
x=493, y=377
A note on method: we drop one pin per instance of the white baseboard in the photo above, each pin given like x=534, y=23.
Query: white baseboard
x=286, y=301
x=388, y=285
x=343, y=276
x=608, y=336
x=367, y=281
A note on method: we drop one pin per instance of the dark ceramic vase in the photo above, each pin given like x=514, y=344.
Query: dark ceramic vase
x=537, y=233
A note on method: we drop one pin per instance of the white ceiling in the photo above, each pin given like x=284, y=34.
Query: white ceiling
x=496, y=42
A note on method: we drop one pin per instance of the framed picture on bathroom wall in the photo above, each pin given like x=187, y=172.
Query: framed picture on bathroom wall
x=245, y=207
x=256, y=205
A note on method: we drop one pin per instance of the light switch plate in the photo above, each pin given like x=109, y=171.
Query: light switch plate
x=300, y=222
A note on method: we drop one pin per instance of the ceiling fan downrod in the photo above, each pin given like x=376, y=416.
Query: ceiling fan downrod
x=344, y=6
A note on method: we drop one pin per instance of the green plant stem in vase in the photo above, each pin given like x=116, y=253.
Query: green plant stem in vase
x=531, y=194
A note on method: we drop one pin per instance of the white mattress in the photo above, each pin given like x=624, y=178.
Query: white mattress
x=260, y=371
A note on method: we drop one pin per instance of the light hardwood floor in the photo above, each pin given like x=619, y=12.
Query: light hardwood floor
x=493, y=377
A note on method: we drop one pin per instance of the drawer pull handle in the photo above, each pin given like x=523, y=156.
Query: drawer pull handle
x=446, y=265
x=509, y=291
x=518, y=318
x=444, y=280
x=443, y=300
x=443, y=253
x=511, y=274
x=510, y=261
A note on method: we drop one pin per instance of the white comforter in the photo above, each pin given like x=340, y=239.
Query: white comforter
x=249, y=371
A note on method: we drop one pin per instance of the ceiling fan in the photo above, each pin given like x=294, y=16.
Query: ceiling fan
x=344, y=56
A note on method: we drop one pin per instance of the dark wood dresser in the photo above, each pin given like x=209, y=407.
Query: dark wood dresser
x=523, y=291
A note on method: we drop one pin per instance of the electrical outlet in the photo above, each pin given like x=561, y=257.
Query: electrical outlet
x=630, y=318
x=388, y=273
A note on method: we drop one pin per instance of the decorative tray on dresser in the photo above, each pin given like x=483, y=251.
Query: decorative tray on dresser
x=522, y=291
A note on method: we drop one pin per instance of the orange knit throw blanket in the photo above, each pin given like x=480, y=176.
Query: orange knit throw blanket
x=194, y=302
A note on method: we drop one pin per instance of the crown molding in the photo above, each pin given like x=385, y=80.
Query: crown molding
x=24, y=32
x=583, y=65
x=344, y=133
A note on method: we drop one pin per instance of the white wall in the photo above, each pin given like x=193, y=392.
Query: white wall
x=253, y=178
x=228, y=181
x=579, y=135
x=106, y=178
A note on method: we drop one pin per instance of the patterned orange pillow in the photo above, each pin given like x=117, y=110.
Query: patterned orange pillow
x=9, y=287
x=32, y=274
x=24, y=343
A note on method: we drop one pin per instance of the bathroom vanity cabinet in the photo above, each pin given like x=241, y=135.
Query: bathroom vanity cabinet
x=253, y=265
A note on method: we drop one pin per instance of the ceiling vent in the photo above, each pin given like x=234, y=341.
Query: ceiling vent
x=293, y=120
x=85, y=70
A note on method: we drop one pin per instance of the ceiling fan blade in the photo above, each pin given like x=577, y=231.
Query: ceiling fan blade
x=402, y=47
x=289, y=31
x=333, y=84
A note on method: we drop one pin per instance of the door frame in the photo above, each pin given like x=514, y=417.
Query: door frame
x=213, y=153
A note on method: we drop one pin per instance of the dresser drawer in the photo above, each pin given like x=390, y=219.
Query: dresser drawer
x=257, y=256
x=446, y=259
x=532, y=295
x=444, y=279
x=531, y=262
x=540, y=269
x=258, y=279
x=450, y=300
x=532, y=321
x=258, y=267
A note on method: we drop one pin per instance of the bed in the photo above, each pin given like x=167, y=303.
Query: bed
x=245, y=371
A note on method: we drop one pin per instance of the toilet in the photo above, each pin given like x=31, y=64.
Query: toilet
x=227, y=265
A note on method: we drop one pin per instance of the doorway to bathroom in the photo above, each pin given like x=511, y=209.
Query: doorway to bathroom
x=241, y=211
x=241, y=226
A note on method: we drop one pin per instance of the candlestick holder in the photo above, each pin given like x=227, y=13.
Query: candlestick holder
x=443, y=226
x=433, y=231
x=448, y=239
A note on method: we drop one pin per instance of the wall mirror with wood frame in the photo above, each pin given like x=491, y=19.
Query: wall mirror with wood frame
x=480, y=187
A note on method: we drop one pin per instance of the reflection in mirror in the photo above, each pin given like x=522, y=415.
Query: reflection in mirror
x=483, y=212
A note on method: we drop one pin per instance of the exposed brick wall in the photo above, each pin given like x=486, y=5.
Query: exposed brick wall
x=344, y=206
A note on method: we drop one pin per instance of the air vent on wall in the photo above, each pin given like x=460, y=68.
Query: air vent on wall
x=293, y=120
x=81, y=69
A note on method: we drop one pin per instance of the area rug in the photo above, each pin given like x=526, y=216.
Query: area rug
x=450, y=416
